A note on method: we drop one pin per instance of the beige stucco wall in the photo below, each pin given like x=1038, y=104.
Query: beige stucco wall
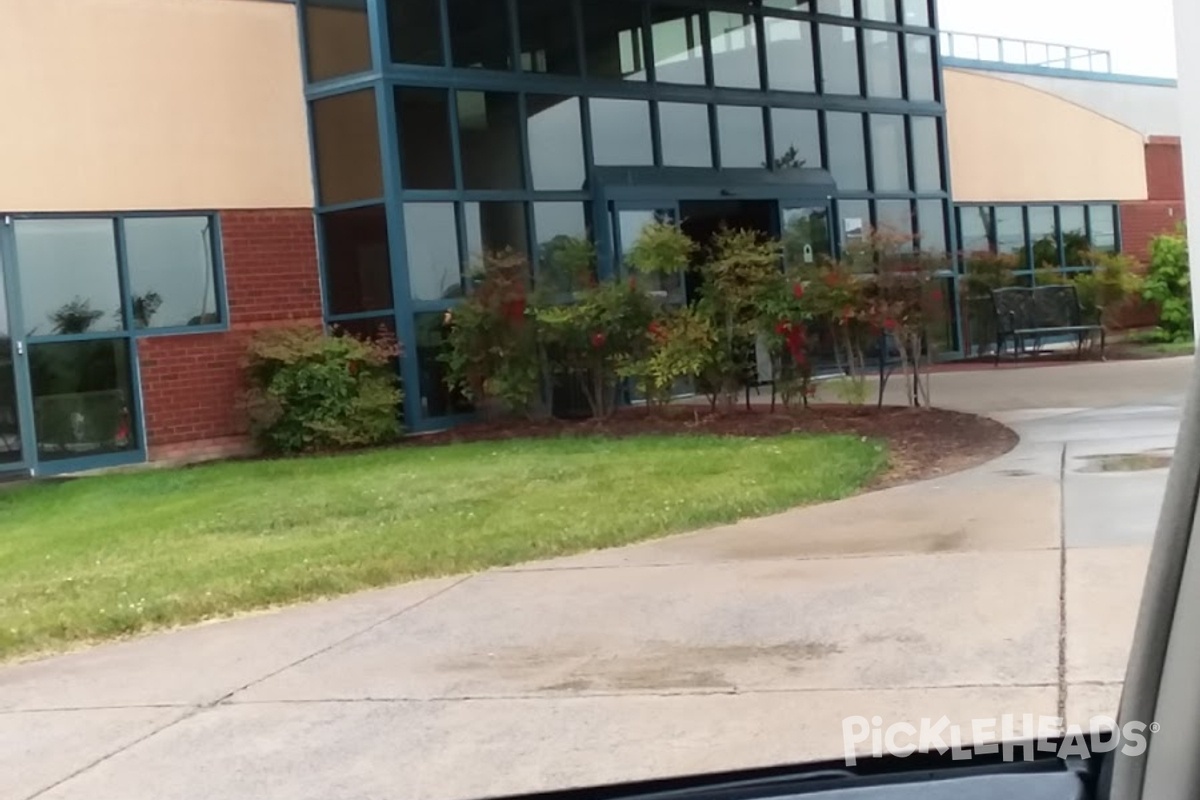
x=1012, y=142
x=151, y=104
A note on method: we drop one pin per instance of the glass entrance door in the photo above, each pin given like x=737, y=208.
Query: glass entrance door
x=14, y=428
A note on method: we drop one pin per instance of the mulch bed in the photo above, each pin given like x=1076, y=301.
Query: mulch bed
x=922, y=443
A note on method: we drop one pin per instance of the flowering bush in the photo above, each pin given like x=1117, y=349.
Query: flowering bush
x=311, y=391
x=681, y=347
x=1168, y=284
x=492, y=347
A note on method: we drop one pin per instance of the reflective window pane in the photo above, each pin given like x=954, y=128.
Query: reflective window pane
x=805, y=236
x=847, y=150
x=358, y=268
x=346, y=140
x=920, y=68
x=790, y=5
x=337, y=40
x=975, y=229
x=790, y=65
x=1104, y=228
x=841, y=8
x=1010, y=230
x=882, y=10
x=172, y=276
x=555, y=131
x=685, y=135
x=734, y=42
x=434, y=263
x=743, y=143
x=916, y=12
x=839, y=59
x=415, y=31
x=557, y=225
x=797, y=138
x=547, y=31
x=621, y=132
x=931, y=216
x=426, y=152
x=896, y=218
x=613, y=40
x=882, y=54
x=68, y=276
x=854, y=220
x=494, y=227
x=1073, y=222
x=10, y=430
x=437, y=398
x=479, y=34
x=927, y=158
x=489, y=138
x=1043, y=234
x=82, y=403
x=889, y=152
x=677, y=41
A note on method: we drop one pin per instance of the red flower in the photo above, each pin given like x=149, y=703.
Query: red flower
x=782, y=327
x=656, y=330
x=936, y=295
x=798, y=291
x=831, y=279
x=889, y=324
x=514, y=310
x=599, y=339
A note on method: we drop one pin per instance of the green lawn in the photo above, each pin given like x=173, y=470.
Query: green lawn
x=110, y=555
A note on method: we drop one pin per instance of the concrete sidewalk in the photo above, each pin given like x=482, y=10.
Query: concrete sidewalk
x=1010, y=588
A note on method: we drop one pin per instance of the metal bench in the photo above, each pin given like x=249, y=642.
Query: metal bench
x=1024, y=314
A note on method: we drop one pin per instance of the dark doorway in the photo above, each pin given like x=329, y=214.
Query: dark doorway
x=701, y=219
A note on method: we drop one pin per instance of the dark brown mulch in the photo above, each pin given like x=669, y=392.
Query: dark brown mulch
x=922, y=443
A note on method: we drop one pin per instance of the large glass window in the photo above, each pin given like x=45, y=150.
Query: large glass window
x=1103, y=228
x=547, y=31
x=346, y=134
x=916, y=12
x=172, y=271
x=847, y=150
x=415, y=31
x=741, y=134
x=613, y=40
x=434, y=263
x=1043, y=234
x=890, y=154
x=82, y=401
x=437, y=399
x=1073, y=222
x=882, y=10
x=920, y=68
x=896, y=217
x=839, y=60
x=358, y=269
x=931, y=233
x=854, y=220
x=927, y=156
x=677, y=41
x=489, y=136
x=841, y=8
x=555, y=131
x=685, y=135
x=495, y=227
x=882, y=55
x=734, y=41
x=68, y=275
x=426, y=149
x=790, y=65
x=1010, y=230
x=975, y=229
x=556, y=224
x=479, y=34
x=797, y=137
x=621, y=132
x=337, y=39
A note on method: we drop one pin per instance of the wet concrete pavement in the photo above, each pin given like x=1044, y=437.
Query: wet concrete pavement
x=1010, y=588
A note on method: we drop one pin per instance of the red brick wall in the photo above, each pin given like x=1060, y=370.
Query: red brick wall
x=1164, y=168
x=191, y=383
x=1142, y=220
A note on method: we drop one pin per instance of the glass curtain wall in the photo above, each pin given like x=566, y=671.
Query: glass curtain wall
x=448, y=129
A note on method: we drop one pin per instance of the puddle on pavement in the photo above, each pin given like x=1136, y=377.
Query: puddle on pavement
x=1127, y=462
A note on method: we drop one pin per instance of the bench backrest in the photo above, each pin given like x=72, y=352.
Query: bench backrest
x=1041, y=307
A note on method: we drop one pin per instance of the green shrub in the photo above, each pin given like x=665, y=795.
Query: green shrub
x=1111, y=282
x=312, y=391
x=1168, y=284
x=681, y=348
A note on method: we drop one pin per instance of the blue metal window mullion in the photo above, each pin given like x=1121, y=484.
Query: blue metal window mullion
x=380, y=36
x=444, y=16
x=514, y=36
x=130, y=324
x=1118, y=239
x=24, y=381
x=1058, y=239
x=385, y=103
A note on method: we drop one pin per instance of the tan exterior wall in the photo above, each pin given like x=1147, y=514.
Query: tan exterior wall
x=1011, y=142
x=151, y=104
